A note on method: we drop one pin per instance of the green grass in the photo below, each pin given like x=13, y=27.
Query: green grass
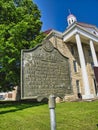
x=69, y=116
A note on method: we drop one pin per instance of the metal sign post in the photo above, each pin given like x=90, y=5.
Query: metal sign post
x=52, y=106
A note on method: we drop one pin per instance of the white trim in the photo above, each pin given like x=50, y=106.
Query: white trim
x=87, y=34
x=93, y=53
x=70, y=34
x=78, y=29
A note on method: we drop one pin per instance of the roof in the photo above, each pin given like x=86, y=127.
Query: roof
x=48, y=31
x=71, y=15
x=87, y=25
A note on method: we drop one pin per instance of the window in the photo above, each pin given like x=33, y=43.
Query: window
x=89, y=52
x=72, y=20
x=95, y=85
x=75, y=66
x=69, y=22
x=72, y=50
x=78, y=86
x=92, y=65
x=78, y=89
x=94, y=32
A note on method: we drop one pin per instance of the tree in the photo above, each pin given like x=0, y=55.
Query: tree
x=20, y=27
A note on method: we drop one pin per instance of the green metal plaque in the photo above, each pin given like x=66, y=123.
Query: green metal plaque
x=44, y=71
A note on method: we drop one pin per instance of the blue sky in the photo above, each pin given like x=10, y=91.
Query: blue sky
x=54, y=12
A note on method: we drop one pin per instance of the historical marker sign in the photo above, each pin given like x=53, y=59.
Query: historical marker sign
x=44, y=71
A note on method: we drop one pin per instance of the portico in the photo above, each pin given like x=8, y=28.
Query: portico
x=79, y=35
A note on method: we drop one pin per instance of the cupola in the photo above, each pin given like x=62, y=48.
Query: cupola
x=71, y=19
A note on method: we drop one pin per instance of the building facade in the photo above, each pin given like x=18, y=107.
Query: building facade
x=79, y=43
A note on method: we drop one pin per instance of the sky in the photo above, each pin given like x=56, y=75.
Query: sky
x=54, y=12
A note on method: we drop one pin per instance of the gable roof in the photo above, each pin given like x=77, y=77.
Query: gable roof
x=87, y=25
x=48, y=31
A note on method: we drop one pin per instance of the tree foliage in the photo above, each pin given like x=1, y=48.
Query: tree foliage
x=20, y=27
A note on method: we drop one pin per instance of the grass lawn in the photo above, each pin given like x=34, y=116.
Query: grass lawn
x=35, y=116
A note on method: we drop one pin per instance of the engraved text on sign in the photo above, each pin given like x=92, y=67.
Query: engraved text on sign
x=45, y=71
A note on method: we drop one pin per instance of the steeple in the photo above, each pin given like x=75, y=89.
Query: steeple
x=71, y=19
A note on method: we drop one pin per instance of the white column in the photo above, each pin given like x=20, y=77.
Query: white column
x=83, y=68
x=93, y=53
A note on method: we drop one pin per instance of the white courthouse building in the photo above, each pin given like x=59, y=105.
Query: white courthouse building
x=79, y=42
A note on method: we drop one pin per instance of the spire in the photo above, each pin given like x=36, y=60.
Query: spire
x=71, y=18
x=69, y=11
